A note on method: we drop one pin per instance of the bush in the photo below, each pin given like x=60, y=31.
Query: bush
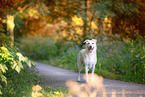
x=124, y=58
x=14, y=72
x=4, y=39
x=38, y=47
x=67, y=61
x=19, y=85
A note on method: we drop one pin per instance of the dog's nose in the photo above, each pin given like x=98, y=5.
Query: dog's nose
x=90, y=47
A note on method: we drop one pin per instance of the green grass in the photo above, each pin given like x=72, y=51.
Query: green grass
x=49, y=91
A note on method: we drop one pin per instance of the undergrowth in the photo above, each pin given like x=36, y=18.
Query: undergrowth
x=23, y=82
x=17, y=73
x=117, y=59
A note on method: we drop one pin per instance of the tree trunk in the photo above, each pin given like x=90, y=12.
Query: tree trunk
x=10, y=28
x=100, y=25
x=85, y=21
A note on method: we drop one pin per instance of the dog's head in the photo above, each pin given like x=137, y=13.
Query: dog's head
x=91, y=45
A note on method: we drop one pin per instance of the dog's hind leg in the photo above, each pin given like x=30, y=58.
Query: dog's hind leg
x=79, y=70
x=79, y=76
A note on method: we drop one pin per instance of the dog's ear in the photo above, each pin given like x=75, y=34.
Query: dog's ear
x=94, y=40
x=85, y=41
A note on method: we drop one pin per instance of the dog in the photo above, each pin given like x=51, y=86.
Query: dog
x=87, y=56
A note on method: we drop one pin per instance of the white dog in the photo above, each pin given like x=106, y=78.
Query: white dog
x=87, y=56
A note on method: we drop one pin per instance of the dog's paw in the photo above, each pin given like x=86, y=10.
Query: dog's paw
x=78, y=80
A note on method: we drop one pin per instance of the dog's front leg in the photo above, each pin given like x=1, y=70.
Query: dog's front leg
x=86, y=70
x=93, y=69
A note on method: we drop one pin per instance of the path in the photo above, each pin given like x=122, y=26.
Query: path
x=58, y=77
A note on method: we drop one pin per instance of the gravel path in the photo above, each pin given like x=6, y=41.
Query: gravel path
x=57, y=77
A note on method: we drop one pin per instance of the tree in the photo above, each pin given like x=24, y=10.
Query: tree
x=8, y=12
x=128, y=20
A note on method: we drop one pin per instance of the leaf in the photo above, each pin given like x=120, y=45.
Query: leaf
x=18, y=66
x=3, y=67
x=4, y=49
x=21, y=57
x=29, y=63
x=14, y=64
x=18, y=69
x=4, y=79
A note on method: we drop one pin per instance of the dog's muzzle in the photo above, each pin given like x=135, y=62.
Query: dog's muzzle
x=90, y=48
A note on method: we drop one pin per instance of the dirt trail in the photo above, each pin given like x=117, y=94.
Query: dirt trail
x=58, y=77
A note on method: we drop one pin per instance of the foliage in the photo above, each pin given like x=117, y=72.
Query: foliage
x=11, y=62
x=30, y=14
x=21, y=84
x=103, y=14
x=35, y=92
x=121, y=59
x=11, y=5
x=38, y=47
x=49, y=91
x=66, y=61
x=119, y=13
x=127, y=20
x=4, y=39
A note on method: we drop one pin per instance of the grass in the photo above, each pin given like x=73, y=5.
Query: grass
x=49, y=91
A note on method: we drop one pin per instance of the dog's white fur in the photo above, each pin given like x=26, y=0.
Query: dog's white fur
x=88, y=57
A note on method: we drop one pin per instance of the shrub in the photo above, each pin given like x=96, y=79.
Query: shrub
x=68, y=60
x=124, y=58
x=38, y=47
x=4, y=39
x=11, y=63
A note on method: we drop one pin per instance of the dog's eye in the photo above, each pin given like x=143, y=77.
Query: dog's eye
x=92, y=43
x=88, y=43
